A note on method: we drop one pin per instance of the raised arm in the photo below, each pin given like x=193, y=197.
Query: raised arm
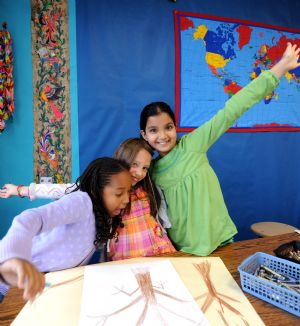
x=203, y=137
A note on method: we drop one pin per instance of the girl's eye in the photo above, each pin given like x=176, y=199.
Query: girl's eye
x=119, y=195
x=170, y=127
x=152, y=130
x=145, y=169
x=134, y=165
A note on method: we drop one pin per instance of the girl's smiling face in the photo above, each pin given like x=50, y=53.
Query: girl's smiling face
x=160, y=133
x=140, y=166
x=116, y=193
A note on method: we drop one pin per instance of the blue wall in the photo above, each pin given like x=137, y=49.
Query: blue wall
x=16, y=143
x=125, y=52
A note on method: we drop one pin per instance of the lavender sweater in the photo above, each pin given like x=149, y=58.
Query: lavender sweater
x=55, y=236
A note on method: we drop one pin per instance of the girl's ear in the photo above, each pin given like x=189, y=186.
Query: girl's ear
x=143, y=134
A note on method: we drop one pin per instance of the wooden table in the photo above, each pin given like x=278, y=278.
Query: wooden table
x=232, y=256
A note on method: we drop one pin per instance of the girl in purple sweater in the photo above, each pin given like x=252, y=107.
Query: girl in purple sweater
x=66, y=233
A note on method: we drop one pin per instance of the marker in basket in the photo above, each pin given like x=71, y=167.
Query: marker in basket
x=291, y=287
x=277, y=275
x=271, y=276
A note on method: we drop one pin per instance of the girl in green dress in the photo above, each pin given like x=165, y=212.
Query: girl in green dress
x=196, y=208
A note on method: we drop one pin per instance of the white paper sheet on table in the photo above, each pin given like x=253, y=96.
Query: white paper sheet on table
x=150, y=293
x=61, y=305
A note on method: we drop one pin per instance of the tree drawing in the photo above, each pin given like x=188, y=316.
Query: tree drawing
x=214, y=296
x=147, y=293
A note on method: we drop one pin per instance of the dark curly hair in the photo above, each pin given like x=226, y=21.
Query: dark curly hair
x=92, y=181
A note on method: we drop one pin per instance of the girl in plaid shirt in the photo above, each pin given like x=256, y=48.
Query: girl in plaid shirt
x=142, y=233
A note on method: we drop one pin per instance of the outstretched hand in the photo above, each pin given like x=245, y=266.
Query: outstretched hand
x=291, y=56
x=289, y=60
x=8, y=190
x=24, y=275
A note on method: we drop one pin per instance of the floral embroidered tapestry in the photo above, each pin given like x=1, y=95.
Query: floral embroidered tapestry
x=6, y=77
x=51, y=82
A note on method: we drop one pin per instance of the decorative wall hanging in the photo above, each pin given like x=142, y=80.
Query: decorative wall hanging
x=217, y=56
x=6, y=78
x=51, y=82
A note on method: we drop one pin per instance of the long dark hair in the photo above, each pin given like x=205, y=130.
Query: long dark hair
x=92, y=181
x=153, y=109
x=127, y=152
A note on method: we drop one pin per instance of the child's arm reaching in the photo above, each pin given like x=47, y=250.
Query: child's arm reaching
x=36, y=190
x=70, y=209
x=203, y=137
x=24, y=275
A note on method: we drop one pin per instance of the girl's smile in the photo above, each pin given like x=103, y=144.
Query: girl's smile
x=160, y=133
x=140, y=166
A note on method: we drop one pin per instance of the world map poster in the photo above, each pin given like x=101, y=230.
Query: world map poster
x=217, y=56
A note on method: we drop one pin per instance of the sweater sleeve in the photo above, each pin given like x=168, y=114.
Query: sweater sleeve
x=49, y=191
x=18, y=241
x=204, y=136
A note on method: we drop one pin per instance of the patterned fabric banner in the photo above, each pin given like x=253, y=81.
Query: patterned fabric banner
x=51, y=82
x=6, y=78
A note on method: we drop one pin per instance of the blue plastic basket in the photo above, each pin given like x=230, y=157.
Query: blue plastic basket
x=281, y=297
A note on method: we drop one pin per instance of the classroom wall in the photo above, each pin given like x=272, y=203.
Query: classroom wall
x=16, y=142
x=125, y=53
x=126, y=59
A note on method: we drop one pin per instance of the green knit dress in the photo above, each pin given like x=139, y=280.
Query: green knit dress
x=196, y=208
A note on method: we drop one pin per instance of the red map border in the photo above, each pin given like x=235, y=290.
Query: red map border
x=177, y=15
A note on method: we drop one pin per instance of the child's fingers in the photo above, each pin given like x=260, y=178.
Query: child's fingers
x=4, y=192
x=29, y=279
x=21, y=274
x=35, y=283
x=296, y=49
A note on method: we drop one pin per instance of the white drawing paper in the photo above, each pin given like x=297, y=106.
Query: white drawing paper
x=149, y=293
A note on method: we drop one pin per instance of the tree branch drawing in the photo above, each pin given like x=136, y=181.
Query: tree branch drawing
x=212, y=295
x=147, y=293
